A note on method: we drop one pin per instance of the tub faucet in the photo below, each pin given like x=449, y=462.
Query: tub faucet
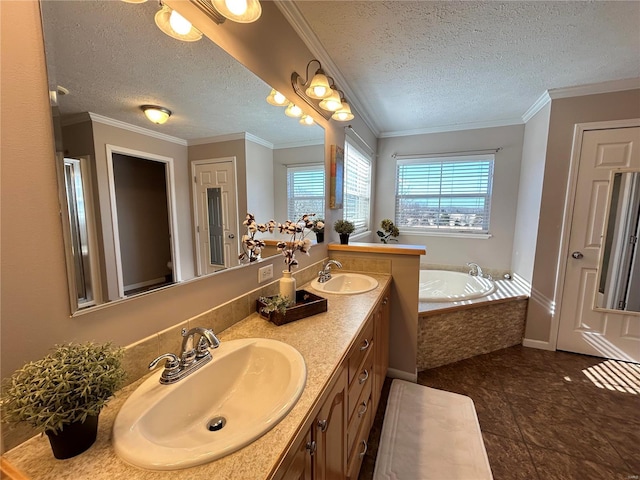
x=324, y=275
x=192, y=357
x=475, y=271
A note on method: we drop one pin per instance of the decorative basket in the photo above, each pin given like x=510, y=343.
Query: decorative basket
x=307, y=304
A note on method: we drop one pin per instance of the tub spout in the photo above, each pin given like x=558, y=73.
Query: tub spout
x=475, y=271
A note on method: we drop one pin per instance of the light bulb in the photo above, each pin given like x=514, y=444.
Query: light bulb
x=293, y=111
x=237, y=7
x=279, y=98
x=179, y=24
x=320, y=91
x=306, y=120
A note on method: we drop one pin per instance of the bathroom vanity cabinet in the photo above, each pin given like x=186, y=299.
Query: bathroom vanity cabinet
x=334, y=443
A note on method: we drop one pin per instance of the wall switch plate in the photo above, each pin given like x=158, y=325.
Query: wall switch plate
x=265, y=273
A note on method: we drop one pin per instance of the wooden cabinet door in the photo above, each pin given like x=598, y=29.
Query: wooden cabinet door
x=381, y=363
x=330, y=462
x=299, y=466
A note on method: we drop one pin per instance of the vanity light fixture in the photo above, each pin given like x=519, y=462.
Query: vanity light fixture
x=344, y=113
x=332, y=102
x=241, y=11
x=277, y=99
x=306, y=120
x=176, y=26
x=156, y=114
x=293, y=111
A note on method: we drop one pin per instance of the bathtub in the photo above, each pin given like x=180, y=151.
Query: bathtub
x=446, y=286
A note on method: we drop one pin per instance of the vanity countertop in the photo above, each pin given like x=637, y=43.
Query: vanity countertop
x=323, y=340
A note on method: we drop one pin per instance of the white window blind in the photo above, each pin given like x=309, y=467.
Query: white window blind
x=357, y=188
x=446, y=194
x=305, y=191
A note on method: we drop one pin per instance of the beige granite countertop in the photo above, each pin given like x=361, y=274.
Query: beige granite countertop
x=323, y=340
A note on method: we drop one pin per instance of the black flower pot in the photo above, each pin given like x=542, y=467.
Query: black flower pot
x=74, y=438
x=344, y=238
x=319, y=237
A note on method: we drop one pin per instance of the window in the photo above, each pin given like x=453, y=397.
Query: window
x=305, y=191
x=357, y=188
x=446, y=194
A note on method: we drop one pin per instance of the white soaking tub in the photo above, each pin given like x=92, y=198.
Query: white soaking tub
x=447, y=286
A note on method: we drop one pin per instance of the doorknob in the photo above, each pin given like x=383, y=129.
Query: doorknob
x=231, y=236
x=577, y=255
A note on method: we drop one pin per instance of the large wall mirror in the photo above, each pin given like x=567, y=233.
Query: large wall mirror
x=150, y=206
x=619, y=285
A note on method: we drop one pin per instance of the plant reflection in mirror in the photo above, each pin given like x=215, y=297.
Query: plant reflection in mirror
x=251, y=246
x=389, y=230
x=298, y=231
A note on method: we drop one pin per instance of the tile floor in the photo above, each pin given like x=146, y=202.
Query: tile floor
x=544, y=415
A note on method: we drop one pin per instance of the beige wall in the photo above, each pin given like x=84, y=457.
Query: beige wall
x=260, y=191
x=529, y=193
x=495, y=252
x=35, y=303
x=565, y=113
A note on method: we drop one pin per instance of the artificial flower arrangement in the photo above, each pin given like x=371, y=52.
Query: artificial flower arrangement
x=298, y=231
x=251, y=246
x=389, y=230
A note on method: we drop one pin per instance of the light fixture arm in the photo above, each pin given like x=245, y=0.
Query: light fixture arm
x=299, y=87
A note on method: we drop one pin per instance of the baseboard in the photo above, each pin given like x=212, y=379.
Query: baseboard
x=402, y=375
x=539, y=344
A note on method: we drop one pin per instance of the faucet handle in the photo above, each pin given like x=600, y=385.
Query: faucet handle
x=172, y=363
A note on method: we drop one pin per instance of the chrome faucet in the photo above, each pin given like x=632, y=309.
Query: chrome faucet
x=324, y=275
x=192, y=357
x=475, y=271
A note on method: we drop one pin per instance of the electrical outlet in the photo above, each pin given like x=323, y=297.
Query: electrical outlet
x=265, y=273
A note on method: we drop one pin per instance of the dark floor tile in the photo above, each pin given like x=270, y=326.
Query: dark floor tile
x=494, y=413
x=602, y=401
x=552, y=465
x=465, y=372
x=624, y=436
x=509, y=460
x=521, y=356
x=543, y=385
x=563, y=429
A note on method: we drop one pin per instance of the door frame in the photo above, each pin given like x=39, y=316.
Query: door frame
x=171, y=206
x=561, y=270
x=194, y=199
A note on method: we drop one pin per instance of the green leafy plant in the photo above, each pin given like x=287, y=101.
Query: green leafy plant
x=389, y=230
x=276, y=303
x=344, y=226
x=65, y=387
x=318, y=225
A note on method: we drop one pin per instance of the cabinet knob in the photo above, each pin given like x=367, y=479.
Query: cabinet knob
x=322, y=425
x=365, y=345
x=385, y=301
x=363, y=409
x=311, y=446
x=364, y=449
x=363, y=377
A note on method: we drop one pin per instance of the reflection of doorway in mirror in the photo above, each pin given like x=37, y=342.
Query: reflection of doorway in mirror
x=215, y=214
x=143, y=220
x=583, y=326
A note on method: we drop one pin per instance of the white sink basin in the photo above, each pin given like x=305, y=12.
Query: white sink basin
x=251, y=383
x=346, y=284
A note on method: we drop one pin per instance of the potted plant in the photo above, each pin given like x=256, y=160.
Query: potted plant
x=62, y=394
x=344, y=229
x=388, y=231
x=318, y=229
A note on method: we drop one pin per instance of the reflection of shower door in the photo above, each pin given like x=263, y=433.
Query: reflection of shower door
x=215, y=214
x=583, y=328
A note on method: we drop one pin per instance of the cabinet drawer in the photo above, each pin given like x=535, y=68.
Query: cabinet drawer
x=363, y=379
x=360, y=446
x=362, y=346
x=361, y=409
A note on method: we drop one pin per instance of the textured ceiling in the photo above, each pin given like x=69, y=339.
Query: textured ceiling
x=415, y=65
x=112, y=58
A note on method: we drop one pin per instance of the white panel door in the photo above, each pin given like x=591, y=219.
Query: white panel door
x=216, y=216
x=583, y=327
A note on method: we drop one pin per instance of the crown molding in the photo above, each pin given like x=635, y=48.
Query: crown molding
x=302, y=143
x=230, y=137
x=453, y=128
x=536, y=107
x=595, y=88
x=94, y=117
x=295, y=18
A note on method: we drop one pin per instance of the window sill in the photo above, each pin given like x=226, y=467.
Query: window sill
x=474, y=236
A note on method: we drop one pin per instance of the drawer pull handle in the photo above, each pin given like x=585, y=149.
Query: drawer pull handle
x=322, y=425
x=363, y=410
x=364, y=376
x=385, y=301
x=311, y=446
x=365, y=345
x=364, y=451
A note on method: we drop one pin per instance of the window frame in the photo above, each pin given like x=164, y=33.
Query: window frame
x=362, y=225
x=290, y=171
x=451, y=231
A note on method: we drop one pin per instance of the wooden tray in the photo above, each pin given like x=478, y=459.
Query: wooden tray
x=307, y=304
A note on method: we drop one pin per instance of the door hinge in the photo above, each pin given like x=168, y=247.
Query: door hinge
x=633, y=239
x=195, y=179
x=198, y=228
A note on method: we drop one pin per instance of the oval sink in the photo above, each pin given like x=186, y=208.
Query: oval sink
x=346, y=284
x=243, y=392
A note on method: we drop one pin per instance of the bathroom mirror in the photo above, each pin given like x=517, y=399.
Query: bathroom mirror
x=619, y=282
x=105, y=59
